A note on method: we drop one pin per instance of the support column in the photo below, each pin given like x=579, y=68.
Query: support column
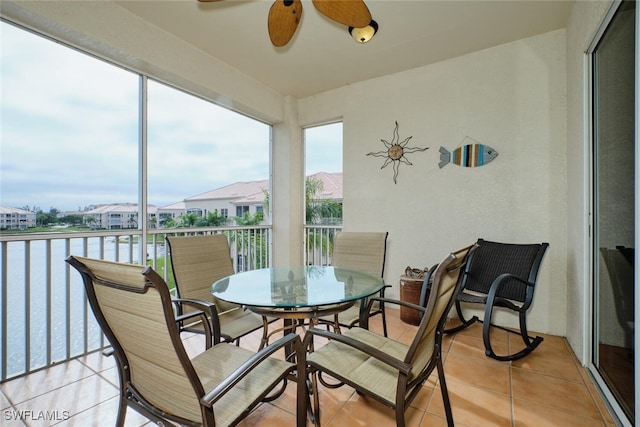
x=287, y=193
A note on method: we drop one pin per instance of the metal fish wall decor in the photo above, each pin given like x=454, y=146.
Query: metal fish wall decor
x=469, y=156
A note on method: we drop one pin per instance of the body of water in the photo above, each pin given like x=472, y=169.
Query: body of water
x=62, y=299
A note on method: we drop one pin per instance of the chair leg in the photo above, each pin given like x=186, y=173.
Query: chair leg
x=315, y=413
x=445, y=393
x=530, y=344
x=122, y=412
x=465, y=323
x=400, y=408
x=384, y=322
x=524, y=333
x=264, y=341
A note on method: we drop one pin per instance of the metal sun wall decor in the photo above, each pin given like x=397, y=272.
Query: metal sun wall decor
x=469, y=155
x=395, y=152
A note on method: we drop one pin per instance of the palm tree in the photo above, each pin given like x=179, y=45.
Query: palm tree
x=215, y=219
x=317, y=212
x=251, y=246
x=188, y=219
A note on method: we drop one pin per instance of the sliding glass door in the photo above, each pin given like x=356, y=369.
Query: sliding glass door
x=613, y=71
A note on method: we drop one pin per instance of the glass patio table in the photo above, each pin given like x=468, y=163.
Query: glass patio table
x=298, y=292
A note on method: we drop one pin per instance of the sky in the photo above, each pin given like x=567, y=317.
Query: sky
x=69, y=133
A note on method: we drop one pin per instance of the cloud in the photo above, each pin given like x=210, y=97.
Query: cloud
x=69, y=132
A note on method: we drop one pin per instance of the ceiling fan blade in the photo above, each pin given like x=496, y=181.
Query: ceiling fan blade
x=284, y=17
x=352, y=13
x=208, y=1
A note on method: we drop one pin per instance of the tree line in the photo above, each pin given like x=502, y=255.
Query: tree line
x=317, y=211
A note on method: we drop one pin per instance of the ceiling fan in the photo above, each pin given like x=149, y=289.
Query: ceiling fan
x=285, y=15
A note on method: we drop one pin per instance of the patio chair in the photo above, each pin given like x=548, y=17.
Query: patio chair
x=197, y=262
x=362, y=251
x=217, y=387
x=387, y=370
x=501, y=275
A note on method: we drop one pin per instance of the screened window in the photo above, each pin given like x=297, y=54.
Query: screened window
x=71, y=141
x=69, y=130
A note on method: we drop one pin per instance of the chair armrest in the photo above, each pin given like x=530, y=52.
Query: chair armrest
x=200, y=304
x=212, y=322
x=499, y=282
x=398, y=364
x=382, y=290
x=397, y=302
x=243, y=370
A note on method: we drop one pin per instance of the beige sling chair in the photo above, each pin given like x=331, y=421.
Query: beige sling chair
x=361, y=251
x=217, y=387
x=388, y=370
x=197, y=262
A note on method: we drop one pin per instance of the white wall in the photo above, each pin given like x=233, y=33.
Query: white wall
x=512, y=98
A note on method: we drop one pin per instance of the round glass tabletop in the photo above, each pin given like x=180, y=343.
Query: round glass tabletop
x=297, y=286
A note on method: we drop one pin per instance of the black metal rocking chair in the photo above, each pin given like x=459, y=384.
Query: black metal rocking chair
x=501, y=275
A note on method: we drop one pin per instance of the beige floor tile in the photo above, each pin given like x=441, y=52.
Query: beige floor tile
x=4, y=402
x=447, y=343
x=288, y=400
x=11, y=418
x=475, y=331
x=104, y=414
x=527, y=414
x=474, y=346
x=365, y=411
x=485, y=373
x=408, y=336
x=431, y=420
x=332, y=401
x=421, y=401
x=97, y=361
x=394, y=333
x=41, y=382
x=556, y=366
x=68, y=400
x=551, y=346
x=111, y=375
x=266, y=415
x=548, y=387
x=473, y=406
x=553, y=393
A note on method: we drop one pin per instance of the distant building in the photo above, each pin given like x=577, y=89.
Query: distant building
x=16, y=219
x=231, y=200
x=117, y=216
x=234, y=200
x=170, y=213
x=331, y=186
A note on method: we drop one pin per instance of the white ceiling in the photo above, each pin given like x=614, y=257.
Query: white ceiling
x=322, y=56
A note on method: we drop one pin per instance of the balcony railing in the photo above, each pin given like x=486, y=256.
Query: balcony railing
x=319, y=243
x=44, y=316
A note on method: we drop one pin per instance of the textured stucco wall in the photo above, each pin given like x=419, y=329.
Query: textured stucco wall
x=512, y=98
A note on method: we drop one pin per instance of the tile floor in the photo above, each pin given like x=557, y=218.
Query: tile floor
x=547, y=388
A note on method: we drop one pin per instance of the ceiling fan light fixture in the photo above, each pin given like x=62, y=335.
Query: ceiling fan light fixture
x=364, y=34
